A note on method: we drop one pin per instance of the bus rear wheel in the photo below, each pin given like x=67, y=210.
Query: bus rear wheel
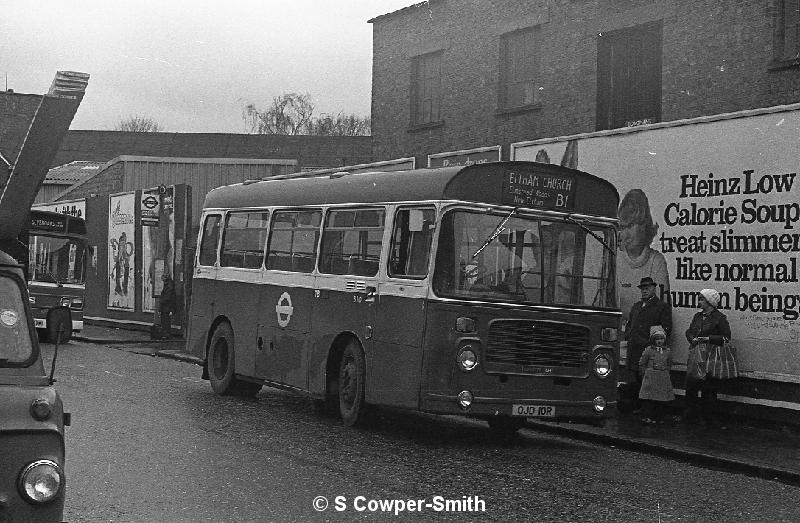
x=352, y=377
x=59, y=320
x=221, y=365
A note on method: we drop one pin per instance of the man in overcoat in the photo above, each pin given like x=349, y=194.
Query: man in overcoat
x=645, y=313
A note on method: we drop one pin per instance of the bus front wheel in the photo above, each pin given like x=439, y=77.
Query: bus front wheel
x=352, y=375
x=59, y=320
x=221, y=365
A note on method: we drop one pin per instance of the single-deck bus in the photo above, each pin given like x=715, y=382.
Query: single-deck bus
x=486, y=290
x=56, y=270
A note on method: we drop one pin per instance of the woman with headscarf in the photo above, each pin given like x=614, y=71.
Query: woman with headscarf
x=708, y=326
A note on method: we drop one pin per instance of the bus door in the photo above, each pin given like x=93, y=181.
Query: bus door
x=204, y=281
x=286, y=298
x=400, y=309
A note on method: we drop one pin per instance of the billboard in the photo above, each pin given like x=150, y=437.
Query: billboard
x=707, y=203
x=121, y=251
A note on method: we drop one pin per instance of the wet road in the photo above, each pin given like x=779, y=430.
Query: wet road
x=151, y=442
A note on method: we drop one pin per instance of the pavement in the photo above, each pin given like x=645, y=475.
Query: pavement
x=745, y=446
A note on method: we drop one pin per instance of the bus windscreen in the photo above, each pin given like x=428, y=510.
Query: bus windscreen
x=57, y=259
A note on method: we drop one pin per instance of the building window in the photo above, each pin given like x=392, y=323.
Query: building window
x=787, y=31
x=426, y=88
x=519, y=69
x=629, y=76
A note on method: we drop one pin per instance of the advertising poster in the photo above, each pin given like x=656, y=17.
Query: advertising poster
x=121, y=254
x=707, y=204
x=158, y=239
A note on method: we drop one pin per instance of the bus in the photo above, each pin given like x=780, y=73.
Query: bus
x=56, y=264
x=487, y=291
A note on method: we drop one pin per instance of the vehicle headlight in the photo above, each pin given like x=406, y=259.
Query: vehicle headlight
x=599, y=404
x=467, y=358
x=65, y=302
x=41, y=409
x=465, y=399
x=602, y=365
x=41, y=481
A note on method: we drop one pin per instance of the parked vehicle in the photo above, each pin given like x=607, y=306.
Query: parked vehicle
x=32, y=417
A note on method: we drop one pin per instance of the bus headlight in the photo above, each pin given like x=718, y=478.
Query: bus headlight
x=41, y=409
x=41, y=481
x=464, y=399
x=602, y=365
x=599, y=404
x=467, y=358
x=65, y=302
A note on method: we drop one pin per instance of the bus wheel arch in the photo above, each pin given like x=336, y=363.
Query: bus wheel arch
x=221, y=362
x=59, y=318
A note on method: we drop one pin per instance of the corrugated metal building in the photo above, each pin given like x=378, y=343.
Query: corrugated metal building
x=130, y=173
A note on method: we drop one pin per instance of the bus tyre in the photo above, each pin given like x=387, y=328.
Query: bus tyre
x=505, y=426
x=221, y=365
x=352, y=375
x=59, y=319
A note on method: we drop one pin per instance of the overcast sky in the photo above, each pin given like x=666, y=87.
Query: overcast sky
x=192, y=65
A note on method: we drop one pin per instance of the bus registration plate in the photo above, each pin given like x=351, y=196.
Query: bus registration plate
x=533, y=411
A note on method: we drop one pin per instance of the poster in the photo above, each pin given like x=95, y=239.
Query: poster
x=158, y=240
x=707, y=204
x=121, y=252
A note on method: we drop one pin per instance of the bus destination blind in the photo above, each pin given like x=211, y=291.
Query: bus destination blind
x=539, y=190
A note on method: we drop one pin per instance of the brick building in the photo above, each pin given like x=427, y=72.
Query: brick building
x=457, y=75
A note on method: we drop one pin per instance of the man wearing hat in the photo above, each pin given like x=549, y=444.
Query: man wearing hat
x=645, y=313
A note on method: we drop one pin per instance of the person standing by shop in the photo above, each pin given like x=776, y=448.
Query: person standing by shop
x=645, y=313
x=166, y=305
x=711, y=327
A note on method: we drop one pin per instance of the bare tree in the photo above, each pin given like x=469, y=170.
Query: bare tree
x=340, y=125
x=293, y=114
x=288, y=114
x=138, y=124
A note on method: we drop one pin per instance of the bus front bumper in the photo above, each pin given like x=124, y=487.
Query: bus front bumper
x=596, y=408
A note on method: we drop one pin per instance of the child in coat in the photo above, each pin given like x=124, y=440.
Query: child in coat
x=654, y=366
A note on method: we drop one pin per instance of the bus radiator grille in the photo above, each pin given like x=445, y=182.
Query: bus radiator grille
x=537, y=344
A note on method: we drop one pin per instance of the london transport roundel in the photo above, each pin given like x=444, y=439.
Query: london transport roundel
x=284, y=309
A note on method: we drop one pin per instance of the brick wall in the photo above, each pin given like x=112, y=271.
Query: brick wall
x=715, y=59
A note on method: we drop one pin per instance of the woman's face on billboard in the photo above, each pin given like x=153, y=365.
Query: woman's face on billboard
x=631, y=235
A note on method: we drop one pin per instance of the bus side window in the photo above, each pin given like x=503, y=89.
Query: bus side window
x=293, y=240
x=351, y=242
x=209, y=240
x=411, y=242
x=243, y=240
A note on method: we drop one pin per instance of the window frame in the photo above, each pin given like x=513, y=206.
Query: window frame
x=206, y=218
x=226, y=228
x=318, y=228
x=785, y=52
x=426, y=77
x=392, y=241
x=326, y=228
x=515, y=48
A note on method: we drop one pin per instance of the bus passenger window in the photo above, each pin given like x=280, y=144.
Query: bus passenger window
x=243, y=240
x=351, y=242
x=209, y=240
x=411, y=242
x=293, y=241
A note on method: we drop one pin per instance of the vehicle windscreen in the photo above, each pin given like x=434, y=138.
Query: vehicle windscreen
x=54, y=259
x=16, y=346
x=512, y=258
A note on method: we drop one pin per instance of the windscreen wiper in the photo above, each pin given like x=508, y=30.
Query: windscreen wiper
x=593, y=234
x=500, y=228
